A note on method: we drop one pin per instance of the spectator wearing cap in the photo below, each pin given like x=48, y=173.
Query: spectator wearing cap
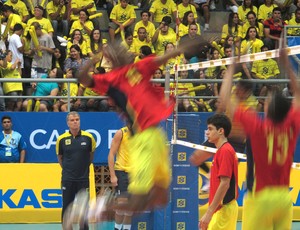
x=16, y=45
x=57, y=12
x=41, y=65
x=122, y=16
x=43, y=22
x=163, y=35
x=162, y=8
x=20, y=8
x=12, y=19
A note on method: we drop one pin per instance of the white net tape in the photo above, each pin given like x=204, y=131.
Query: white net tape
x=227, y=61
x=243, y=156
x=245, y=58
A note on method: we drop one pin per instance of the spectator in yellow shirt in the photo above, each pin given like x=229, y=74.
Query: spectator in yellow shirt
x=122, y=16
x=295, y=21
x=12, y=88
x=144, y=22
x=252, y=21
x=84, y=25
x=184, y=7
x=12, y=19
x=163, y=35
x=140, y=41
x=57, y=12
x=77, y=39
x=88, y=5
x=43, y=22
x=244, y=9
x=20, y=8
x=265, y=10
x=188, y=19
x=161, y=9
x=233, y=27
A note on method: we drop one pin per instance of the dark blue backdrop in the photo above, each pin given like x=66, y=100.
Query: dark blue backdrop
x=41, y=130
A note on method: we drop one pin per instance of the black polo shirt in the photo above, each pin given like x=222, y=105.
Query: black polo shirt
x=75, y=153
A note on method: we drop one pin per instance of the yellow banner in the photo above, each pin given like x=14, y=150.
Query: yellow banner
x=294, y=190
x=31, y=193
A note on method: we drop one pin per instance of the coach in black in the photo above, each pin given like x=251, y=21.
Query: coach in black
x=75, y=152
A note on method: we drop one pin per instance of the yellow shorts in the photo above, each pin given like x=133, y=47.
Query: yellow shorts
x=270, y=209
x=149, y=161
x=225, y=218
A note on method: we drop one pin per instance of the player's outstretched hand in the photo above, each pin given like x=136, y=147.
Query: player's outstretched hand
x=191, y=47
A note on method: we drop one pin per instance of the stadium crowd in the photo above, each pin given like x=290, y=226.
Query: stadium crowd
x=54, y=39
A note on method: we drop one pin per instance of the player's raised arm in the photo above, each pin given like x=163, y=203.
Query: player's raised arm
x=291, y=75
x=190, y=46
x=83, y=76
x=225, y=92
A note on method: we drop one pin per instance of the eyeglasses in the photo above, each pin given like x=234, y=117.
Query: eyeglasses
x=4, y=122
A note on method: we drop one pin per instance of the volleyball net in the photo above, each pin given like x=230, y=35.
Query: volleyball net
x=180, y=127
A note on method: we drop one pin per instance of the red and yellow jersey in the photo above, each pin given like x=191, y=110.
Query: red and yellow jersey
x=224, y=164
x=273, y=146
x=130, y=87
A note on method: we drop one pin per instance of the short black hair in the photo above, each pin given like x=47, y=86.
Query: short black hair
x=39, y=7
x=145, y=11
x=245, y=84
x=101, y=69
x=276, y=9
x=17, y=27
x=146, y=50
x=278, y=107
x=220, y=121
x=6, y=8
x=5, y=117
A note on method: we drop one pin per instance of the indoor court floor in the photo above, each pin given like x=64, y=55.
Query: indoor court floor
x=296, y=226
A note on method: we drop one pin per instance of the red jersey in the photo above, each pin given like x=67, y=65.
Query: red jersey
x=130, y=87
x=273, y=146
x=225, y=163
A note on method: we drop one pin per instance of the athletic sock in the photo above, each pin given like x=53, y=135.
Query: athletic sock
x=126, y=226
x=118, y=226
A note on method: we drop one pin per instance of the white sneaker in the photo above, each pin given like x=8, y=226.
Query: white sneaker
x=212, y=5
x=206, y=27
x=205, y=188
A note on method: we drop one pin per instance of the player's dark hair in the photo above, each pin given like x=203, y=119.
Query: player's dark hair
x=220, y=121
x=145, y=11
x=5, y=117
x=278, y=108
x=245, y=84
x=146, y=50
x=118, y=54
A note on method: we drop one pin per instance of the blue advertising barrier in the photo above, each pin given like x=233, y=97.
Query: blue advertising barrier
x=294, y=41
x=40, y=131
x=184, y=186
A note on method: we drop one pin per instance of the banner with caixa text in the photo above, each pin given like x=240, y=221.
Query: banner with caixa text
x=31, y=193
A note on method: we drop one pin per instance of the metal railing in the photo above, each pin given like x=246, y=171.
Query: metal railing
x=166, y=81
